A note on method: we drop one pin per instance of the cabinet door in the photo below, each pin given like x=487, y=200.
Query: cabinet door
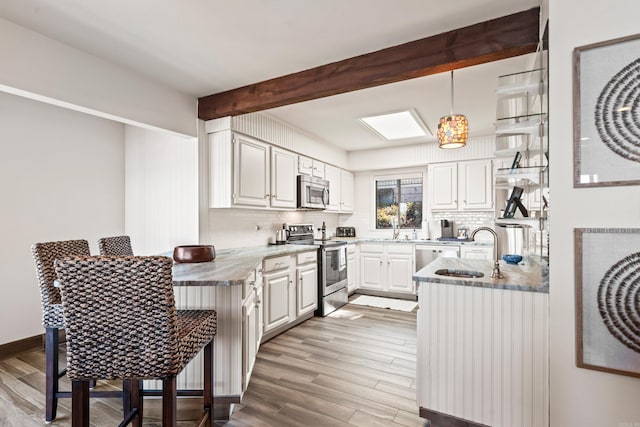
x=352, y=268
x=283, y=178
x=277, y=294
x=305, y=165
x=475, y=180
x=443, y=186
x=250, y=323
x=332, y=174
x=251, y=172
x=400, y=261
x=371, y=271
x=307, y=290
x=346, y=191
x=319, y=169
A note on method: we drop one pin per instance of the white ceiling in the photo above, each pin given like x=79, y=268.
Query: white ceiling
x=201, y=47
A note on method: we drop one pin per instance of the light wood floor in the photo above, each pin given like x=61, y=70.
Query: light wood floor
x=355, y=367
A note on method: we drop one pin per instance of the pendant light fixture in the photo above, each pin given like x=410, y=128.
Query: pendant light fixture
x=453, y=130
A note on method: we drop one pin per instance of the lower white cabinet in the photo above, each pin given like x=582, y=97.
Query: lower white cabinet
x=353, y=261
x=387, y=267
x=307, y=287
x=476, y=252
x=290, y=291
x=279, y=293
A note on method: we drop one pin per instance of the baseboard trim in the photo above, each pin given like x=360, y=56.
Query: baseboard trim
x=444, y=420
x=14, y=348
x=397, y=295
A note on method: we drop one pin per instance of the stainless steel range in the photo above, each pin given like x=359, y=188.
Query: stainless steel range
x=332, y=267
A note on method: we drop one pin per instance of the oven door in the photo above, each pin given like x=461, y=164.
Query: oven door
x=334, y=269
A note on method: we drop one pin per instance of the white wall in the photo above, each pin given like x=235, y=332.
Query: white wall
x=61, y=177
x=42, y=68
x=582, y=397
x=161, y=180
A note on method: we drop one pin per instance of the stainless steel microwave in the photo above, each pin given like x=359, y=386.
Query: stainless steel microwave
x=313, y=192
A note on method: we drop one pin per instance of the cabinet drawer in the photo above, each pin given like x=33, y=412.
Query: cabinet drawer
x=371, y=247
x=399, y=248
x=307, y=258
x=351, y=249
x=277, y=263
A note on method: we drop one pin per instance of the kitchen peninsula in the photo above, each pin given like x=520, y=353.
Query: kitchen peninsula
x=483, y=343
x=232, y=284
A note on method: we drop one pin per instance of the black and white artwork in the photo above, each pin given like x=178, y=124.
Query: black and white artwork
x=608, y=299
x=607, y=113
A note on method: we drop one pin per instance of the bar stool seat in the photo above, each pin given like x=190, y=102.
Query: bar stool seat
x=122, y=323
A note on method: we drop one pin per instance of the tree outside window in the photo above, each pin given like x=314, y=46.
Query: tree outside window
x=399, y=199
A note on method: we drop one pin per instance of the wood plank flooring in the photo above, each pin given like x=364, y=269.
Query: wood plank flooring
x=355, y=367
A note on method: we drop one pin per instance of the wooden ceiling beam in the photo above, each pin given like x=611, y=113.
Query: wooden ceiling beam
x=492, y=40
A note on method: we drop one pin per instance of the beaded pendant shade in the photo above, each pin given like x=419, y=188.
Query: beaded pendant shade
x=453, y=130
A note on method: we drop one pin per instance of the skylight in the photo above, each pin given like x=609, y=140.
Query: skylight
x=398, y=125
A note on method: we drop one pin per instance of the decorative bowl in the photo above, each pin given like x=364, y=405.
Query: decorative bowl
x=194, y=253
x=512, y=259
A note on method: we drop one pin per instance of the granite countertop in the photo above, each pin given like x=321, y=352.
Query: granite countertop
x=231, y=266
x=353, y=240
x=531, y=277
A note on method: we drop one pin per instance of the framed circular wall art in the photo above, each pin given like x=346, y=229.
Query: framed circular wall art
x=606, y=110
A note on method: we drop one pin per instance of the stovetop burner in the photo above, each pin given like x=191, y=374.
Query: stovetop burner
x=302, y=234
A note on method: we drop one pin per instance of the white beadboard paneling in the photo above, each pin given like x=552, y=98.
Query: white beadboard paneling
x=420, y=154
x=485, y=355
x=161, y=190
x=227, y=301
x=268, y=129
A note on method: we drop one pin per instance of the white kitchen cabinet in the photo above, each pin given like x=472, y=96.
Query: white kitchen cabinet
x=387, y=267
x=461, y=185
x=279, y=293
x=346, y=191
x=475, y=185
x=283, y=178
x=309, y=166
x=246, y=172
x=353, y=261
x=332, y=174
x=476, y=252
x=250, y=172
x=250, y=332
x=443, y=186
x=307, y=289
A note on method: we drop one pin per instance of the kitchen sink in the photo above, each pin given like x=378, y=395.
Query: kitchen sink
x=465, y=274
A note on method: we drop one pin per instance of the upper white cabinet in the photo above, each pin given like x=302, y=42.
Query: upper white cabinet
x=332, y=174
x=283, y=178
x=346, y=191
x=309, y=166
x=246, y=172
x=461, y=186
x=340, y=189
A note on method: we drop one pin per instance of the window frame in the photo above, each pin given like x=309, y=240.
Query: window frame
x=390, y=177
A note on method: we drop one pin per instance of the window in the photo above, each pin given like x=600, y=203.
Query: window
x=399, y=201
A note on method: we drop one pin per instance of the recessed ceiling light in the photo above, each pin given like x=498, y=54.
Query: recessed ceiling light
x=397, y=125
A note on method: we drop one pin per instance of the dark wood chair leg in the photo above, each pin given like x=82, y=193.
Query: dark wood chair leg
x=127, y=397
x=80, y=403
x=207, y=392
x=169, y=404
x=51, y=342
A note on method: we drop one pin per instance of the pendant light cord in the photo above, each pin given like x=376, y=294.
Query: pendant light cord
x=452, y=92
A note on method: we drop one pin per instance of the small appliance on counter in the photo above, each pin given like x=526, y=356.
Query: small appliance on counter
x=446, y=229
x=282, y=235
x=345, y=232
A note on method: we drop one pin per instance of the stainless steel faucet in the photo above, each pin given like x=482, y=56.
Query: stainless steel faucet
x=394, y=226
x=496, y=273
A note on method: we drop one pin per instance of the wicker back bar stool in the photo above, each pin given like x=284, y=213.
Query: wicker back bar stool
x=115, y=246
x=122, y=323
x=44, y=255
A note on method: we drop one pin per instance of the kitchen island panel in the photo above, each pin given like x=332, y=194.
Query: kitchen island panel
x=483, y=354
